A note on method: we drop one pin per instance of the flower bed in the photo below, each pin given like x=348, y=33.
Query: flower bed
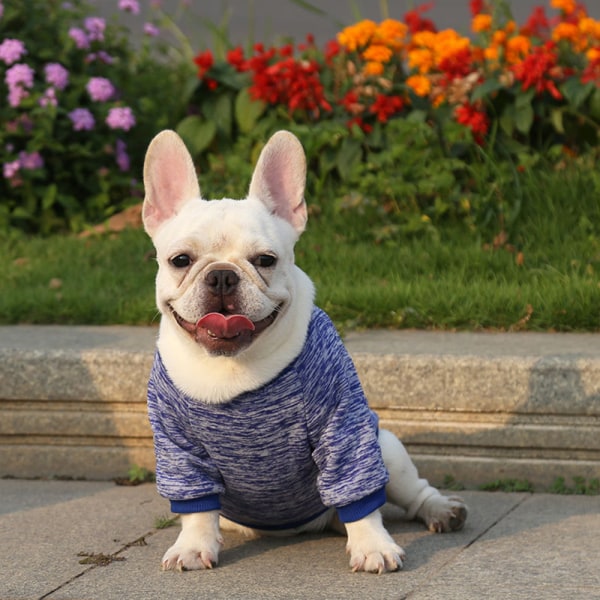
x=422, y=106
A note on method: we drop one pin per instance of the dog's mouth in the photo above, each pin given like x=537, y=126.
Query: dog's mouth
x=223, y=333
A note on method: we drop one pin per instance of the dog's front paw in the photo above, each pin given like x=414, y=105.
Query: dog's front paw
x=371, y=547
x=443, y=513
x=183, y=558
x=198, y=544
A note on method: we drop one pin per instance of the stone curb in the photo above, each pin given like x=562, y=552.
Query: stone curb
x=475, y=407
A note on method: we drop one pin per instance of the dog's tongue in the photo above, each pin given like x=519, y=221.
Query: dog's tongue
x=225, y=326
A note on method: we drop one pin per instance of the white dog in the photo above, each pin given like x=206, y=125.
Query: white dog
x=259, y=419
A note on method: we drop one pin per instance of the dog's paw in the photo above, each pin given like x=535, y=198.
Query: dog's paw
x=379, y=559
x=443, y=513
x=371, y=547
x=185, y=558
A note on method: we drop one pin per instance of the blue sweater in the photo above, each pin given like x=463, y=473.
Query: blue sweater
x=278, y=456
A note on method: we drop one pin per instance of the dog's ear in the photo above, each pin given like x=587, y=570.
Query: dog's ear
x=169, y=179
x=279, y=179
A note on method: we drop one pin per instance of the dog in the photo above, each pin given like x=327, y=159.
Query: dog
x=260, y=423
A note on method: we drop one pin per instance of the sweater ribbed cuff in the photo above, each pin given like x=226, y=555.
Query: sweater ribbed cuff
x=361, y=508
x=204, y=504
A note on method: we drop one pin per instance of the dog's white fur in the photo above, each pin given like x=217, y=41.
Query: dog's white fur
x=227, y=234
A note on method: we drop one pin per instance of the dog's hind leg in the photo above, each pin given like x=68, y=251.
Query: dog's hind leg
x=414, y=494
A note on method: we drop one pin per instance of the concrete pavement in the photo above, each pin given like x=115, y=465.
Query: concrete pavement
x=513, y=546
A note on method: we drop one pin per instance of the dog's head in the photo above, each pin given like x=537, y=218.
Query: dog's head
x=226, y=267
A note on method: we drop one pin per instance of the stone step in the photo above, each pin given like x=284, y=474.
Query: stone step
x=475, y=407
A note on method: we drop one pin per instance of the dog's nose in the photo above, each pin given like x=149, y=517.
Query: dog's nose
x=222, y=282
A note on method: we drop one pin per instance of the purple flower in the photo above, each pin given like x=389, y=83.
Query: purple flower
x=120, y=118
x=48, y=99
x=151, y=29
x=82, y=119
x=79, y=37
x=31, y=160
x=102, y=56
x=131, y=6
x=56, y=75
x=10, y=169
x=18, y=78
x=122, y=156
x=20, y=74
x=100, y=89
x=95, y=27
x=12, y=50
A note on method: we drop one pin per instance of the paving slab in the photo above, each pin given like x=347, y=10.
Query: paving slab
x=513, y=546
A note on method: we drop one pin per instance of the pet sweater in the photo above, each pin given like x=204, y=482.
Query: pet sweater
x=278, y=456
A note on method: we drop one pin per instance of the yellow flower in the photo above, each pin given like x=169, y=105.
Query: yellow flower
x=567, y=6
x=481, y=23
x=358, y=35
x=377, y=53
x=419, y=84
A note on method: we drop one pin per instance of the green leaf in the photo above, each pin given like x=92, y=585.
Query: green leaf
x=248, y=110
x=595, y=105
x=349, y=157
x=556, y=116
x=197, y=133
x=223, y=115
x=488, y=87
x=576, y=92
x=49, y=196
x=524, y=118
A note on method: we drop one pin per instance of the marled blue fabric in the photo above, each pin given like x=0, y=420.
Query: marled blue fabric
x=278, y=456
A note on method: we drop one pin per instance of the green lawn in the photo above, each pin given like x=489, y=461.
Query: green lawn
x=457, y=279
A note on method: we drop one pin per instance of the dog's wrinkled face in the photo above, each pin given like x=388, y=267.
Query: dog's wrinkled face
x=223, y=271
x=224, y=265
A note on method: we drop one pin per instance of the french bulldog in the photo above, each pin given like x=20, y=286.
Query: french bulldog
x=260, y=422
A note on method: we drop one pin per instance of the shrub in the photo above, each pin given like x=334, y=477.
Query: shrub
x=78, y=102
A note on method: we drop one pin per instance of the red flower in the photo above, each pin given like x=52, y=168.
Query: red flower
x=457, y=65
x=473, y=118
x=360, y=123
x=204, y=61
x=414, y=21
x=476, y=7
x=591, y=73
x=332, y=49
x=386, y=106
x=295, y=84
x=538, y=69
x=235, y=58
x=537, y=25
x=351, y=103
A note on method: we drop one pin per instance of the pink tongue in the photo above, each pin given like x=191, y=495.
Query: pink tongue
x=225, y=326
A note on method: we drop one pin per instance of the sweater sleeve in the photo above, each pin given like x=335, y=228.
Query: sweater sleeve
x=185, y=474
x=343, y=430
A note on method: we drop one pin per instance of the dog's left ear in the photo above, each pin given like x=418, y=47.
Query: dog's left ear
x=279, y=179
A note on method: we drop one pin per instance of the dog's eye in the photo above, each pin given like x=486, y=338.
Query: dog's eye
x=264, y=260
x=181, y=261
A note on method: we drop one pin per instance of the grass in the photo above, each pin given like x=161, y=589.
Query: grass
x=541, y=275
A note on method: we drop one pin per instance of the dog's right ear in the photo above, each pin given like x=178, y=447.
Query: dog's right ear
x=169, y=179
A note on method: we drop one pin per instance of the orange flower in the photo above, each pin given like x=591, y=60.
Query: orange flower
x=567, y=6
x=517, y=49
x=420, y=84
x=377, y=53
x=358, y=35
x=481, y=23
x=392, y=33
x=373, y=68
